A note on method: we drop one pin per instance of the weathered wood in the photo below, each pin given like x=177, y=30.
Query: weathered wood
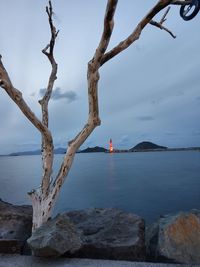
x=160, y=23
x=135, y=35
x=42, y=207
x=47, y=148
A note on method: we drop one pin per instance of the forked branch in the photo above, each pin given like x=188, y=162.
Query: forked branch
x=135, y=35
x=50, y=55
x=160, y=23
x=47, y=148
x=107, y=32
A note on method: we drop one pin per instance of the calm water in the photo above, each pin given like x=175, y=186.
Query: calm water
x=148, y=184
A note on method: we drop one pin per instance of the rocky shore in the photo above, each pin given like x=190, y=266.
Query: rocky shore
x=102, y=234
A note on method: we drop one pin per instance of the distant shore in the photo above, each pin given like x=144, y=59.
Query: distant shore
x=156, y=150
x=144, y=146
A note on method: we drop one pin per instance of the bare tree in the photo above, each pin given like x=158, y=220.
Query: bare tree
x=44, y=198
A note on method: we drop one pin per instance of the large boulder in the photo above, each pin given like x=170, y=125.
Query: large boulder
x=54, y=238
x=92, y=233
x=15, y=227
x=175, y=238
x=110, y=234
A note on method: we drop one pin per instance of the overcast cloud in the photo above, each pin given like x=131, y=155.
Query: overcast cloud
x=149, y=92
x=57, y=94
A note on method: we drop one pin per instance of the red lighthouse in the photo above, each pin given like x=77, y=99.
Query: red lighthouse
x=111, y=146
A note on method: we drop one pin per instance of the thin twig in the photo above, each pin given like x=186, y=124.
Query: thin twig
x=163, y=19
x=160, y=26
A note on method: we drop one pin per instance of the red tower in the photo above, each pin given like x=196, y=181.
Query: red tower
x=111, y=146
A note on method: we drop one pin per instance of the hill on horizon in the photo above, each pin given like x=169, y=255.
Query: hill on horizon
x=147, y=146
x=93, y=149
x=58, y=150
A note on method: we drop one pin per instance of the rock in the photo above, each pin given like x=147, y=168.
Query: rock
x=109, y=234
x=15, y=225
x=11, y=246
x=92, y=233
x=93, y=149
x=175, y=238
x=54, y=238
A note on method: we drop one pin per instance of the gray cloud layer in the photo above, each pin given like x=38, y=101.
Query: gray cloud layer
x=57, y=94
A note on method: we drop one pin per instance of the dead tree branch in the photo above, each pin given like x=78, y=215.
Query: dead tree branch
x=163, y=19
x=17, y=97
x=135, y=35
x=160, y=24
x=47, y=148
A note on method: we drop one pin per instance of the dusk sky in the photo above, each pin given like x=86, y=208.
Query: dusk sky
x=149, y=92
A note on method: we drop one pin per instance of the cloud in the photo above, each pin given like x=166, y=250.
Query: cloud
x=57, y=94
x=145, y=118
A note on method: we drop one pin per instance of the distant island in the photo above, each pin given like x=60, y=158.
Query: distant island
x=93, y=149
x=144, y=146
x=147, y=146
x=58, y=150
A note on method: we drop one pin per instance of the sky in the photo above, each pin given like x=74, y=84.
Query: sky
x=149, y=92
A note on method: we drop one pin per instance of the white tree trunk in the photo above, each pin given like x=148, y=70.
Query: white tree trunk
x=42, y=208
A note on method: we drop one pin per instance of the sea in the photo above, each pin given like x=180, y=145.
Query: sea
x=150, y=184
